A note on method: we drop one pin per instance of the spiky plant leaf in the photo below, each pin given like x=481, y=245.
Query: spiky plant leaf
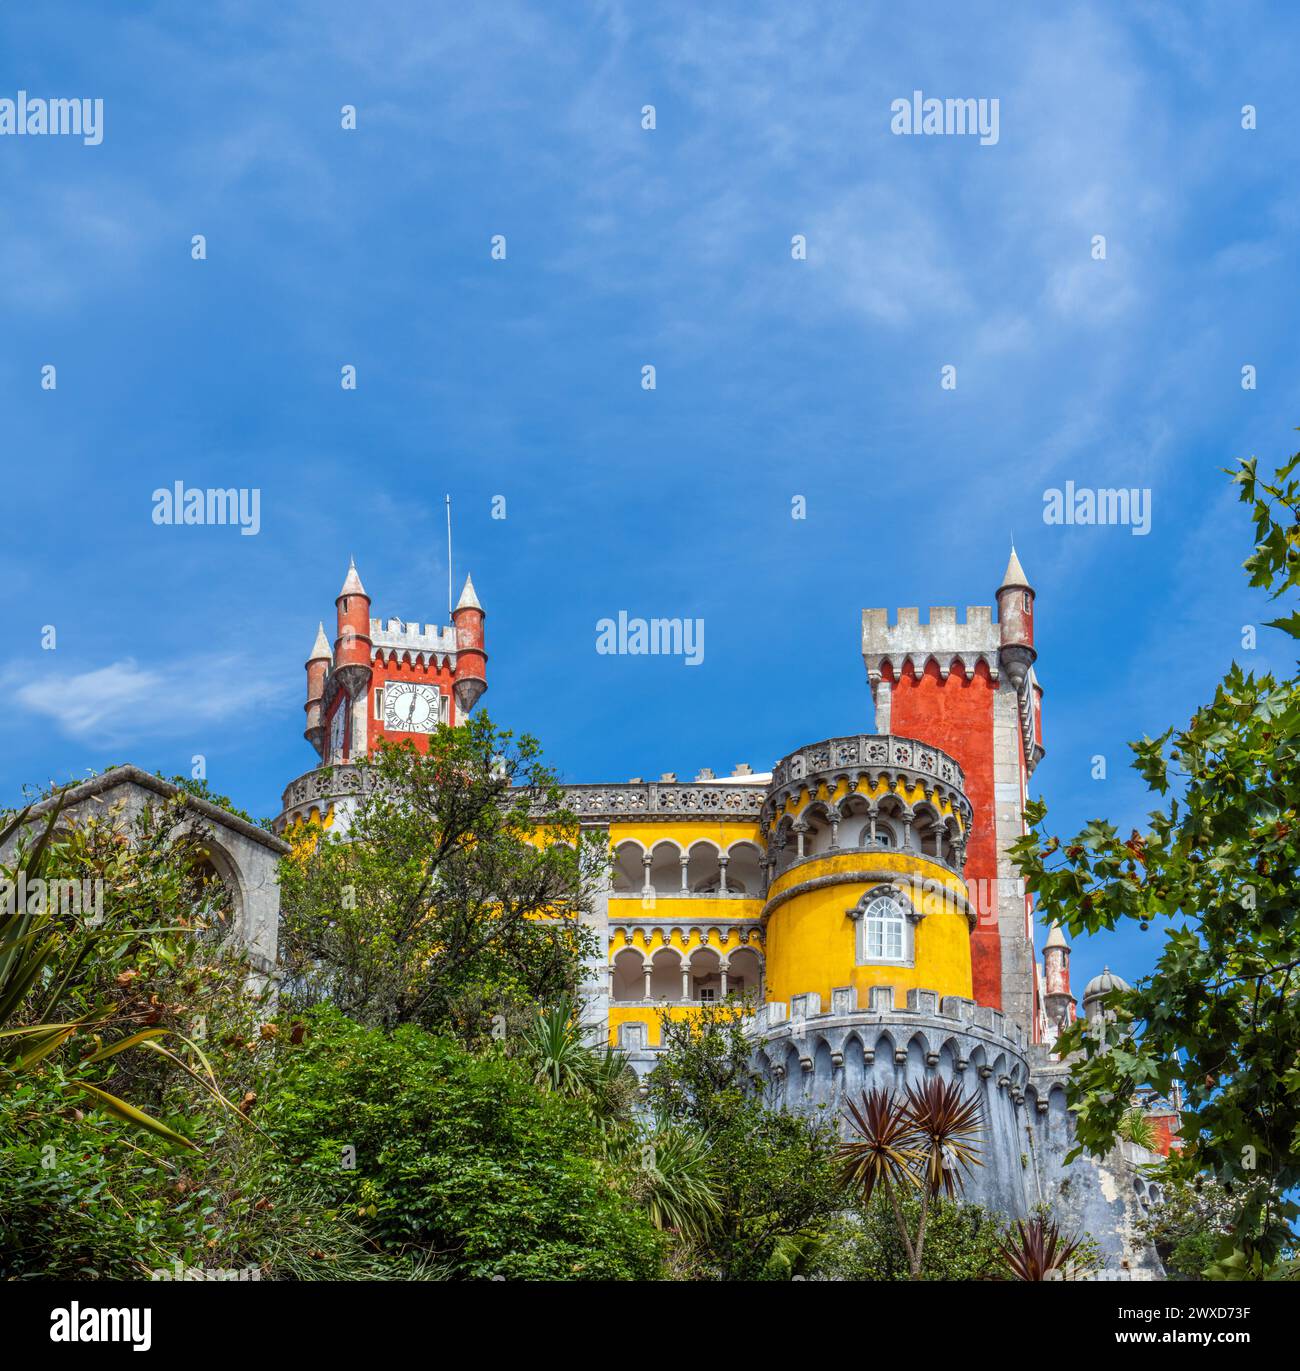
x=885, y=1149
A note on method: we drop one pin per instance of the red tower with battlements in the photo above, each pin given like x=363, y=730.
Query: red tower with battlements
x=969, y=687
x=391, y=679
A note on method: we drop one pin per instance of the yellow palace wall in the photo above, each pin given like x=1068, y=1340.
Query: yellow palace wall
x=697, y=909
x=812, y=943
x=809, y=943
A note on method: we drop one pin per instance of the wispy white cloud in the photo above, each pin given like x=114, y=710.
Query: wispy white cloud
x=126, y=702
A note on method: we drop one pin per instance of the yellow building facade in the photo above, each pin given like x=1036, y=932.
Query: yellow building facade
x=838, y=872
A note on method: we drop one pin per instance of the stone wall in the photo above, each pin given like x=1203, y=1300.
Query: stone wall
x=245, y=857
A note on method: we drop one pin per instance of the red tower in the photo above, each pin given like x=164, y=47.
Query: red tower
x=318, y=665
x=1058, y=998
x=969, y=688
x=471, y=660
x=391, y=680
x=352, y=647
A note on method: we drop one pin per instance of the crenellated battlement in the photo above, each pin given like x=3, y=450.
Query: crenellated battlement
x=395, y=635
x=952, y=642
x=962, y=1012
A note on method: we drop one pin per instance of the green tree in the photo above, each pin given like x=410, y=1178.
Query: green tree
x=90, y=915
x=1218, y=865
x=775, y=1174
x=457, y=895
x=867, y=1244
x=455, y=1156
x=922, y=1138
x=1194, y=1218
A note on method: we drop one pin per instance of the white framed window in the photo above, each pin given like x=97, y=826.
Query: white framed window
x=379, y=702
x=885, y=929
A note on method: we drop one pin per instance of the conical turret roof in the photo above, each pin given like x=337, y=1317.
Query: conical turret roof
x=1014, y=577
x=352, y=584
x=320, y=649
x=468, y=600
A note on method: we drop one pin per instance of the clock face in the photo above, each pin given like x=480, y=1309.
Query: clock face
x=338, y=725
x=410, y=708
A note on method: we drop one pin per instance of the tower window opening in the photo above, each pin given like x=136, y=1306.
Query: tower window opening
x=1026, y=601
x=884, y=930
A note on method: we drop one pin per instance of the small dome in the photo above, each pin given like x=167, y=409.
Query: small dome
x=1104, y=984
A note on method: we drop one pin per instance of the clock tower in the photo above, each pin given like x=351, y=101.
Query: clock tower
x=390, y=679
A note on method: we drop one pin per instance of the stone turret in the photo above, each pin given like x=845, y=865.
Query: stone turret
x=1016, y=621
x=318, y=665
x=1058, y=998
x=471, y=660
x=1095, y=992
x=352, y=647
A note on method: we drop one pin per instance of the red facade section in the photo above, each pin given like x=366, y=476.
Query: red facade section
x=957, y=716
x=386, y=669
x=1166, y=1128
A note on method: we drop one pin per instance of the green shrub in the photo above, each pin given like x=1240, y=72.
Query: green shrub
x=961, y=1244
x=457, y=1156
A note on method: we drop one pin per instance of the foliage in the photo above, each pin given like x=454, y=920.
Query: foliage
x=677, y=1180
x=962, y=1243
x=455, y=899
x=82, y=1197
x=83, y=1200
x=1036, y=1250
x=459, y=1157
x=104, y=910
x=922, y=1139
x=1136, y=1128
x=553, y=1044
x=1194, y=1217
x=774, y=1171
x=1218, y=863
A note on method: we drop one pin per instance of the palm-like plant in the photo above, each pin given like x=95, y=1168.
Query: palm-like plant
x=946, y=1123
x=1136, y=1128
x=555, y=1045
x=883, y=1155
x=1036, y=1251
x=44, y=961
x=677, y=1183
x=923, y=1139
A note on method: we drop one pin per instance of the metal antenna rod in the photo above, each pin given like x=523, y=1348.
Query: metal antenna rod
x=449, y=606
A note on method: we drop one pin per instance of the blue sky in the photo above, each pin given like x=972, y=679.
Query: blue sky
x=522, y=378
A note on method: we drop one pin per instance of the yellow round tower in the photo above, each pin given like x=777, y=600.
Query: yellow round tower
x=865, y=843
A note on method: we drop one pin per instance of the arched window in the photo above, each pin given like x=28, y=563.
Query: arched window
x=884, y=921
x=884, y=930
